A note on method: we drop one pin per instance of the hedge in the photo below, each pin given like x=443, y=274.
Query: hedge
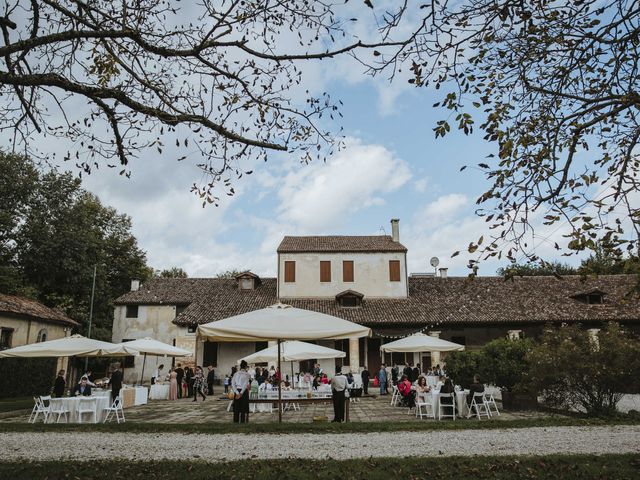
x=20, y=377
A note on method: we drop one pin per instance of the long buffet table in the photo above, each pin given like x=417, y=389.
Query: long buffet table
x=132, y=396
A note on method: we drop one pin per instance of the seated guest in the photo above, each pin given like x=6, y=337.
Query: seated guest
x=83, y=388
x=475, y=387
x=421, y=386
x=408, y=395
x=325, y=379
x=447, y=387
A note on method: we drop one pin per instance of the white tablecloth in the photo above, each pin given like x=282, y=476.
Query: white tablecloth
x=142, y=395
x=72, y=404
x=159, y=392
x=461, y=402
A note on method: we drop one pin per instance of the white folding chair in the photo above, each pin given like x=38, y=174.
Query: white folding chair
x=38, y=408
x=491, y=402
x=87, y=405
x=44, y=407
x=425, y=401
x=479, y=405
x=57, y=408
x=115, y=408
x=395, y=397
x=444, y=406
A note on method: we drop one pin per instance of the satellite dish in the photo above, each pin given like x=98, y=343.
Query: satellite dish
x=434, y=262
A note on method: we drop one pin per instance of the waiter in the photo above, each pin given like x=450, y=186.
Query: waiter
x=338, y=387
x=116, y=382
x=240, y=384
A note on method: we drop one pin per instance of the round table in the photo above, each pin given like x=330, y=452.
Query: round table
x=102, y=401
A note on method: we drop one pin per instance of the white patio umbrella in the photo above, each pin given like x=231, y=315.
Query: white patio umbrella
x=281, y=322
x=73, y=346
x=419, y=342
x=292, y=351
x=149, y=346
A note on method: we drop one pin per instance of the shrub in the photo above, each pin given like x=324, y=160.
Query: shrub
x=573, y=371
x=26, y=376
x=504, y=363
x=462, y=366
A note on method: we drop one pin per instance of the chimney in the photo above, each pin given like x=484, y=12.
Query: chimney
x=443, y=272
x=135, y=285
x=395, y=229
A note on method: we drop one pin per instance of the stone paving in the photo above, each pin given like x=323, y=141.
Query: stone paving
x=214, y=409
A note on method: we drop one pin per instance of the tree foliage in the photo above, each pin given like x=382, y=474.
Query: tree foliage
x=173, y=272
x=572, y=370
x=555, y=86
x=53, y=234
x=217, y=79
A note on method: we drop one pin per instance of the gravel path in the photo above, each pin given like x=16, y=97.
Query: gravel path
x=215, y=448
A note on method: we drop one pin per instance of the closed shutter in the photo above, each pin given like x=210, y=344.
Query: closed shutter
x=347, y=271
x=325, y=271
x=394, y=270
x=289, y=272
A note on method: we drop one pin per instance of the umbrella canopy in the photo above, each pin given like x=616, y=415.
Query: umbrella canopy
x=293, y=351
x=75, y=345
x=419, y=342
x=149, y=346
x=281, y=322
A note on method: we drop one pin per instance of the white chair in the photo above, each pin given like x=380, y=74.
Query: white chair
x=57, y=408
x=395, y=397
x=491, y=402
x=115, y=408
x=39, y=408
x=87, y=405
x=446, y=405
x=425, y=401
x=479, y=405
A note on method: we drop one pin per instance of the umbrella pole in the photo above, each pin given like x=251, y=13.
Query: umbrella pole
x=279, y=387
x=142, y=374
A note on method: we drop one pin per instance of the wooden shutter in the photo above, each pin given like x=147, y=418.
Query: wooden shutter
x=347, y=271
x=289, y=271
x=394, y=270
x=325, y=271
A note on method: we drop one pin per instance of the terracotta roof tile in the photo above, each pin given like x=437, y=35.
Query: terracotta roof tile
x=30, y=308
x=340, y=243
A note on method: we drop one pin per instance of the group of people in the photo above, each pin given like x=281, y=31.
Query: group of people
x=187, y=382
x=86, y=383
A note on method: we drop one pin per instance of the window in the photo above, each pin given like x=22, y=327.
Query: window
x=349, y=298
x=595, y=297
x=325, y=271
x=129, y=361
x=347, y=271
x=42, y=335
x=132, y=311
x=210, y=354
x=180, y=309
x=349, y=301
x=192, y=328
x=289, y=271
x=394, y=270
x=6, y=335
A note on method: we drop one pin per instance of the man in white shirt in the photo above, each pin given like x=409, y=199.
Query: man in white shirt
x=157, y=375
x=240, y=385
x=338, y=387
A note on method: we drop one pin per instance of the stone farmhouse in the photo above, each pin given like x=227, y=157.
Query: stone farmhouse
x=364, y=279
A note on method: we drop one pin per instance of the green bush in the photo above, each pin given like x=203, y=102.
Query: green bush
x=462, y=366
x=571, y=370
x=26, y=376
x=504, y=363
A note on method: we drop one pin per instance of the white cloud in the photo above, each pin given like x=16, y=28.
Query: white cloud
x=320, y=196
x=420, y=185
x=442, y=210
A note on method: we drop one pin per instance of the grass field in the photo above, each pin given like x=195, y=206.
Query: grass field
x=325, y=427
x=618, y=467
x=13, y=404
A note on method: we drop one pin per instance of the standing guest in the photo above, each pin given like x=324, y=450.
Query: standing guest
x=59, y=384
x=89, y=375
x=240, y=384
x=408, y=370
x=157, y=375
x=226, y=383
x=83, y=388
x=338, y=387
x=395, y=371
x=179, y=377
x=211, y=376
x=416, y=373
x=365, y=380
x=188, y=375
x=173, y=384
x=475, y=387
x=116, y=381
x=234, y=369
x=259, y=377
x=382, y=379
x=199, y=384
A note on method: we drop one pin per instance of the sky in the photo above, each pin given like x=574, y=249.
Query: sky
x=392, y=167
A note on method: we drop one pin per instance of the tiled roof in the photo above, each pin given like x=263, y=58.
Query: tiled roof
x=30, y=308
x=432, y=301
x=340, y=243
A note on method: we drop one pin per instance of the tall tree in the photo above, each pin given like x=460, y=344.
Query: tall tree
x=173, y=272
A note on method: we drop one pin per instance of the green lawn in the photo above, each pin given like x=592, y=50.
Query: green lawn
x=225, y=428
x=618, y=467
x=13, y=404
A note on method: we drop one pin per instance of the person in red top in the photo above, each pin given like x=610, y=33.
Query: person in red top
x=325, y=379
x=408, y=395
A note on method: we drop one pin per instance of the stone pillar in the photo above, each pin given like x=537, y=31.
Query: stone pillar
x=435, y=356
x=274, y=364
x=514, y=334
x=593, y=336
x=354, y=355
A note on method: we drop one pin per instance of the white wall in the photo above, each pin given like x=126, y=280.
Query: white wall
x=371, y=275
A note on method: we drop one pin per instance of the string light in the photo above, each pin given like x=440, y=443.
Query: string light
x=404, y=335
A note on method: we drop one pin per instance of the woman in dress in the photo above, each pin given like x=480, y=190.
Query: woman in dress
x=199, y=384
x=173, y=384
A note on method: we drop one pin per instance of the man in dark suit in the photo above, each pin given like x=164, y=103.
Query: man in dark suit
x=188, y=373
x=408, y=371
x=416, y=373
x=83, y=388
x=365, y=380
x=210, y=378
x=179, y=377
x=58, y=386
x=475, y=387
x=116, y=381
